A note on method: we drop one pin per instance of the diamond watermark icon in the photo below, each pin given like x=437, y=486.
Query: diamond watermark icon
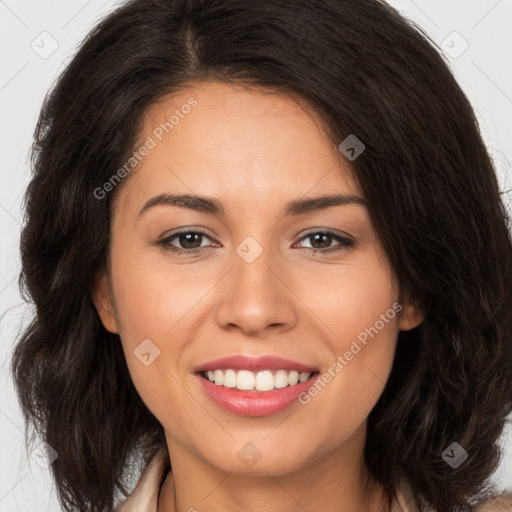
x=44, y=45
x=454, y=45
x=44, y=455
x=454, y=455
x=146, y=352
x=249, y=455
x=249, y=249
x=352, y=147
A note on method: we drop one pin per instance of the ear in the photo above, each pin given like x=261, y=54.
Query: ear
x=103, y=303
x=410, y=316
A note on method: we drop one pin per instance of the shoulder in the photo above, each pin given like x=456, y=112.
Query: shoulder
x=502, y=503
x=406, y=501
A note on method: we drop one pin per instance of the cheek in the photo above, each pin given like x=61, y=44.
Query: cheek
x=351, y=298
x=361, y=311
x=155, y=302
x=368, y=329
x=152, y=296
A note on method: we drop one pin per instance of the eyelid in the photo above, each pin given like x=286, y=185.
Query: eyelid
x=330, y=231
x=188, y=229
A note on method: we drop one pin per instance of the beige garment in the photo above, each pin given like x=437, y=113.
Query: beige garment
x=144, y=497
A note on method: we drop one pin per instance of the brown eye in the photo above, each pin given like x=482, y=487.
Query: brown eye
x=189, y=242
x=321, y=241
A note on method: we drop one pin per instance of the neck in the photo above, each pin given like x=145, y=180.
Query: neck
x=336, y=481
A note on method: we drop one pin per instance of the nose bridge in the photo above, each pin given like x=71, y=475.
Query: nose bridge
x=254, y=297
x=251, y=267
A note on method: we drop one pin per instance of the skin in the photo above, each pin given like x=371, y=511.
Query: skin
x=254, y=152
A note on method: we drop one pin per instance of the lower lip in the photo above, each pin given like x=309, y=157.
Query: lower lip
x=254, y=403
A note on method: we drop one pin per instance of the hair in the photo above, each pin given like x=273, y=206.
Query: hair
x=433, y=198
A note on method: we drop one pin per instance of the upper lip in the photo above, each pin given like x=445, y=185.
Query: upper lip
x=254, y=364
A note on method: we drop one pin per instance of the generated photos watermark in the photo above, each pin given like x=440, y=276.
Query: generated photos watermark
x=342, y=360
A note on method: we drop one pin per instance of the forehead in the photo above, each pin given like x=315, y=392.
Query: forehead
x=249, y=147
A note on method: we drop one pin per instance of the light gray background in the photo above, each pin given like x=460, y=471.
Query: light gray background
x=38, y=39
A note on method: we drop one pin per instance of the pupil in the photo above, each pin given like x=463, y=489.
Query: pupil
x=188, y=237
x=316, y=237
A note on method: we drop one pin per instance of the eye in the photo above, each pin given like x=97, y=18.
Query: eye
x=321, y=241
x=190, y=242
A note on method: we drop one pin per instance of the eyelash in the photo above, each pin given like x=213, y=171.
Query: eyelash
x=345, y=243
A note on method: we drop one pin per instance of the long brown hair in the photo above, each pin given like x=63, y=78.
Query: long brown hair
x=433, y=197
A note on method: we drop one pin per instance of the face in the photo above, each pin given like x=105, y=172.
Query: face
x=187, y=285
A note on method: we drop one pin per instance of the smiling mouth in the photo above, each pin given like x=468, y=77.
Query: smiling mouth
x=261, y=381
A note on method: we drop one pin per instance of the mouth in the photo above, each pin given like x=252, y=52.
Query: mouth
x=255, y=386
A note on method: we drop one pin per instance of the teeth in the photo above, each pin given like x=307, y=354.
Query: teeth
x=230, y=379
x=245, y=380
x=293, y=378
x=219, y=377
x=265, y=380
x=281, y=379
x=303, y=377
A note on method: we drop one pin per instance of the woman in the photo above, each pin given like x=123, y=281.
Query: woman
x=267, y=250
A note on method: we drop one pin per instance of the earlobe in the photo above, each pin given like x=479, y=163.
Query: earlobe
x=103, y=303
x=410, y=317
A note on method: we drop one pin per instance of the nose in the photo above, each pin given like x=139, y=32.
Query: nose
x=257, y=297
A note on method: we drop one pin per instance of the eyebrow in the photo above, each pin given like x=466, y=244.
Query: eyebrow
x=215, y=207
